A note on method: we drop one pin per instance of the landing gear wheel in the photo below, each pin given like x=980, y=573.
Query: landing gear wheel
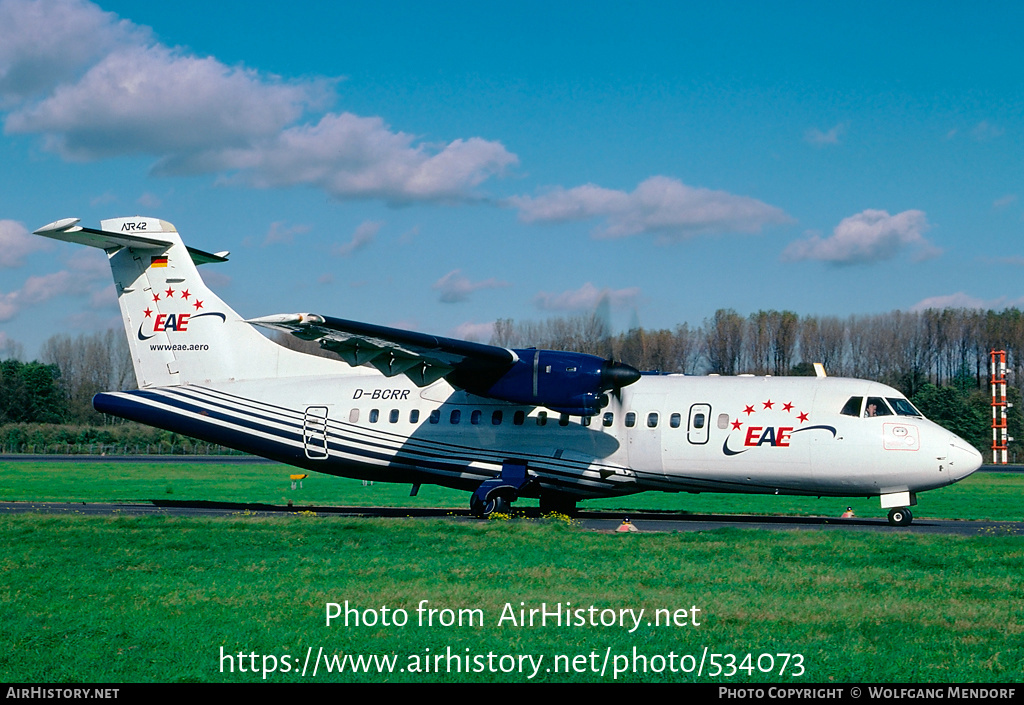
x=900, y=516
x=483, y=509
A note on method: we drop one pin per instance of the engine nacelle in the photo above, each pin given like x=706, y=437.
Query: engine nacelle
x=566, y=382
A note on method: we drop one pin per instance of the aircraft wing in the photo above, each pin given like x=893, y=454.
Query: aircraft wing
x=423, y=358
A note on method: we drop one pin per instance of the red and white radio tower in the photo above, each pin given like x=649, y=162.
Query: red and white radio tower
x=999, y=437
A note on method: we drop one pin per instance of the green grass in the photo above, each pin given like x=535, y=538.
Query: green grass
x=154, y=599
x=994, y=496
x=130, y=599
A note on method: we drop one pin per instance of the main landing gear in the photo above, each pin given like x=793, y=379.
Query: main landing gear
x=900, y=516
x=495, y=496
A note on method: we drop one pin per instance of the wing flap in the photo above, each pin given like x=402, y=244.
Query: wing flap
x=423, y=358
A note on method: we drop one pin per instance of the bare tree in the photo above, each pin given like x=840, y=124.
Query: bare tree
x=723, y=336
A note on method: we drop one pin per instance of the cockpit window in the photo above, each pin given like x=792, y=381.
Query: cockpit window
x=903, y=407
x=852, y=407
x=876, y=406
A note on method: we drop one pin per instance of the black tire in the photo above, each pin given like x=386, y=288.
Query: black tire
x=483, y=509
x=900, y=516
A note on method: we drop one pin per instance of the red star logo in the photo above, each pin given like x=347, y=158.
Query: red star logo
x=768, y=404
x=185, y=294
x=148, y=312
x=787, y=407
x=802, y=416
x=156, y=297
x=169, y=292
x=748, y=410
x=736, y=425
x=198, y=304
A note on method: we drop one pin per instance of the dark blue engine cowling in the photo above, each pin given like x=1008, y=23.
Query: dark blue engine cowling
x=566, y=382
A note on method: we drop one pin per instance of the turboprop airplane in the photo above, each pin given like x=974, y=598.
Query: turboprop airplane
x=399, y=406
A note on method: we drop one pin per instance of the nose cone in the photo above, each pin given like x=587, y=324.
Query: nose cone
x=616, y=375
x=963, y=459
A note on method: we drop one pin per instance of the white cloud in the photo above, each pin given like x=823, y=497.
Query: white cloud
x=476, y=332
x=358, y=157
x=42, y=288
x=280, y=233
x=456, y=287
x=868, y=236
x=659, y=205
x=46, y=42
x=1007, y=200
x=962, y=300
x=127, y=95
x=586, y=298
x=362, y=237
x=985, y=131
x=159, y=101
x=149, y=200
x=821, y=139
x=16, y=243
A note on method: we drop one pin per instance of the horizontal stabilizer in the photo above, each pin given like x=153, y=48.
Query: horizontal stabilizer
x=68, y=230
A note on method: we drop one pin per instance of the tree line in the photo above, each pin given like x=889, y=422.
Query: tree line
x=903, y=349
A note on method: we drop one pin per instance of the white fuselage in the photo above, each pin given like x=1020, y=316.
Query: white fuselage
x=669, y=433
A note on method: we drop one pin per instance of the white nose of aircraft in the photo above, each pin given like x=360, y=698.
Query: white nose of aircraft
x=963, y=458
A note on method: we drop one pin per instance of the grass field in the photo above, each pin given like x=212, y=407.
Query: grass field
x=136, y=599
x=994, y=496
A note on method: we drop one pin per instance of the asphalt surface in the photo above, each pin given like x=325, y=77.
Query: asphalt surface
x=595, y=521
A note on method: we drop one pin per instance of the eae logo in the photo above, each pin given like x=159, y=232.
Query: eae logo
x=171, y=322
x=776, y=426
x=772, y=435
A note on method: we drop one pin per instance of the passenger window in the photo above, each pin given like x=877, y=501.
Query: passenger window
x=542, y=418
x=456, y=416
x=519, y=418
x=474, y=418
x=414, y=416
x=652, y=420
x=374, y=415
x=435, y=416
x=631, y=419
x=393, y=418
x=876, y=407
x=353, y=416
x=675, y=420
x=852, y=407
x=608, y=419
x=698, y=420
x=723, y=421
x=496, y=418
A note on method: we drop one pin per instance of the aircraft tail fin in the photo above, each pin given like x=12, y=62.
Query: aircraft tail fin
x=179, y=331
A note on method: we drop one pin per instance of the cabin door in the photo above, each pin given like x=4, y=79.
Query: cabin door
x=314, y=432
x=644, y=418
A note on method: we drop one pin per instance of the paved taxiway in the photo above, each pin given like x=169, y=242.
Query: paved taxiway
x=594, y=521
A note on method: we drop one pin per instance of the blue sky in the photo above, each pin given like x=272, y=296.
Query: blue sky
x=441, y=165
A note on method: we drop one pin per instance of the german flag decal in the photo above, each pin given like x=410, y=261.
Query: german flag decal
x=158, y=262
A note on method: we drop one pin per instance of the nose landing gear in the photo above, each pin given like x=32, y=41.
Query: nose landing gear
x=900, y=516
